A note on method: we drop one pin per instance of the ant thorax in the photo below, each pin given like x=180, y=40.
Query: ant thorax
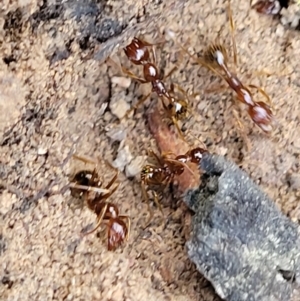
x=247, y=98
x=159, y=88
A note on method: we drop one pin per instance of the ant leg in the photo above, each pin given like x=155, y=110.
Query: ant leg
x=180, y=89
x=139, y=103
x=130, y=74
x=156, y=201
x=100, y=219
x=178, y=163
x=196, y=138
x=181, y=136
x=90, y=188
x=186, y=96
x=146, y=43
x=170, y=73
x=172, y=118
x=261, y=91
x=232, y=31
x=165, y=155
x=152, y=47
x=112, y=181
x=146, y=198
x=216, y=89
x=126, y=71
x=151, y=153
x=242, y=130
x=200, y=61
x=84, y=159
x=271, y=73
x=127, y=218
x=106, y=196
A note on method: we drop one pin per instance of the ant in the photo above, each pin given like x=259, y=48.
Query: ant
x=83, y=183
x=267, y=7
x=164, y=171
x=138, y=53
x=216, y=59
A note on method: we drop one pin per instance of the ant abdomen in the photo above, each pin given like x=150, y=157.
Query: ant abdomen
x=262, y=115
x=150, y=72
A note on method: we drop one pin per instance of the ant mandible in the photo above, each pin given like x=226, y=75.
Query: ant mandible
x=216, y=59
x=138, y=53
x=84, y=182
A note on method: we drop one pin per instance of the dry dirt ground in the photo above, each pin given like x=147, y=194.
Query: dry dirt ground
x=57, y=97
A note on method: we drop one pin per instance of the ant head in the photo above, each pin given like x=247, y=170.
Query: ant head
x=216, y=54
x=146, y=172
x=137, y=52
x=178, y=109
x=82, y=178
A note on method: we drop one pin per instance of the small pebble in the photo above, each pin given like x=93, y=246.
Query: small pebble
x=294, y=181
x=107, y=116
x=121, y=81
x=222, y=151
x=135, y=166
x=119, y=107
x=123, y=158
x=116, y=133
x=131, y=283
x=296, y=142
x=102, y=108
x=42, y=151
x=280, y=30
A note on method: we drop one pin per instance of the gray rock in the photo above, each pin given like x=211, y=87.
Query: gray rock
x=123, y=158
x=135, y=166
x=119, y=107
x=241, y=242
x=116, y=132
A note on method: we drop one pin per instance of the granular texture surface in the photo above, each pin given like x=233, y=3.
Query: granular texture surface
x=59, y=96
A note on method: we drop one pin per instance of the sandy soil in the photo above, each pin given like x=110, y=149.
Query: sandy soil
x=57, y=97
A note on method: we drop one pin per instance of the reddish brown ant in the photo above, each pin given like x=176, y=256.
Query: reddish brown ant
x=194, y=156
x=85, y=182
x=216, y=59
x=164, y=171
x=138, y=53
